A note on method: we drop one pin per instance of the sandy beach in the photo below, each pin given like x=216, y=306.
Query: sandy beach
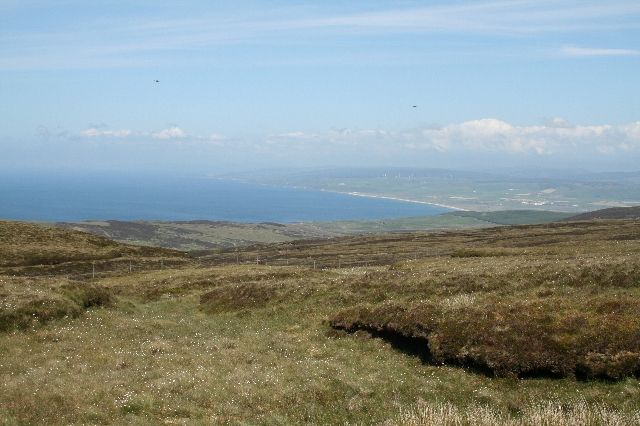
x=360, y=194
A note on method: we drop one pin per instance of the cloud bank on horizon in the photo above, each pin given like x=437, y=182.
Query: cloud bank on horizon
x=482, y=143
x=319, y=83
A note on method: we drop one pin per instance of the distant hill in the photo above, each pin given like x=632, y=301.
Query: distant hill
x=204, y=235
x=514, y=217
x=611, y=213
x=27, y=244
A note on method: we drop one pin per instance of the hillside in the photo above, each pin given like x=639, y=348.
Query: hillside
x=535, y=324
x=24, y=245
x=611, y=213
x=202, y=234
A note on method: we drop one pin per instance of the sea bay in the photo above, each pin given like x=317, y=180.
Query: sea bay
x=109, y=196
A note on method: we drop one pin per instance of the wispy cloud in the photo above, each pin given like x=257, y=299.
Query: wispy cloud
x=134, y=41
x=595, y=51
x=94, y=132
x=173, y=134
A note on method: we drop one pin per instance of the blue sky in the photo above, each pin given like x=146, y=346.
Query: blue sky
x=248, y=84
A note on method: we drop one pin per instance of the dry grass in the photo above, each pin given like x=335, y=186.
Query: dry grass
x=246, y=344
x=540, y=414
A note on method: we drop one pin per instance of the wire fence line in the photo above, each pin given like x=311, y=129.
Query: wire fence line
x=322, y=261
x=102, y=268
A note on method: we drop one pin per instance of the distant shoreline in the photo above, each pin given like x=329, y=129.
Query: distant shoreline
x=407, y=200
x=354, y=193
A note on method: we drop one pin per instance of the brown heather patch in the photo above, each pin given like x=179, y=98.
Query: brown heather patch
x=274, y=287
x=594, y=338
x=238, y=296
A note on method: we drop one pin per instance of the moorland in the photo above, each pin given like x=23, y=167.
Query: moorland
x=527, y=324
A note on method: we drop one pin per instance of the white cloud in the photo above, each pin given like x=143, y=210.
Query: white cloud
x=94, y=132
x=170, y=133
x=484, y=135
x=595, y=51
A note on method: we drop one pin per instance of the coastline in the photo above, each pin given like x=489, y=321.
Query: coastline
x=354, y=193
x=407, y=200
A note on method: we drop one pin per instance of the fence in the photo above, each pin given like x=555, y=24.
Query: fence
x=92, y=269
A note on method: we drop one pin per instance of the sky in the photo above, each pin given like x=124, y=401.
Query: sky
x=254, y=84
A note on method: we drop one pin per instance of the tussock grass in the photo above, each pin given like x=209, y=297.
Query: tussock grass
x=25, y=302
x=238, y=296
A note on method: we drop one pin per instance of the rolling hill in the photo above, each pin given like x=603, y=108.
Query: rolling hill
x=607, y=214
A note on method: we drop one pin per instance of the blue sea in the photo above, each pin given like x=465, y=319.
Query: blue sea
x=55, y=197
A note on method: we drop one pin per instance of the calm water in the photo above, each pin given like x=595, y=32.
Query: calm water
x=74, y=198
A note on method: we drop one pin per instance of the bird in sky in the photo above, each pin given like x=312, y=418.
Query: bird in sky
x=415, y=106
x=157, y=81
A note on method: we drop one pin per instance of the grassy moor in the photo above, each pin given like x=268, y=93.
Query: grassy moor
x=517, y=325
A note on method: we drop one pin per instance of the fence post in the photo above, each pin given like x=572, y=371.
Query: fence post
x=93, y=269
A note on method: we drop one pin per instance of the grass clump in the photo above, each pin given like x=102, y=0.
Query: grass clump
x=25, y=302
x=236, y=297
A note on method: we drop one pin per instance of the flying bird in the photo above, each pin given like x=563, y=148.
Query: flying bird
x=157, y=81
x=415, y=106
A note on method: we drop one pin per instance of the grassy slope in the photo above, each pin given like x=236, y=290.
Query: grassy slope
x=25, y=244
x=44, y=271
x=250, y=343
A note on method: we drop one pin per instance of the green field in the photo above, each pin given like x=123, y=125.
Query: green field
x=536, y=324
